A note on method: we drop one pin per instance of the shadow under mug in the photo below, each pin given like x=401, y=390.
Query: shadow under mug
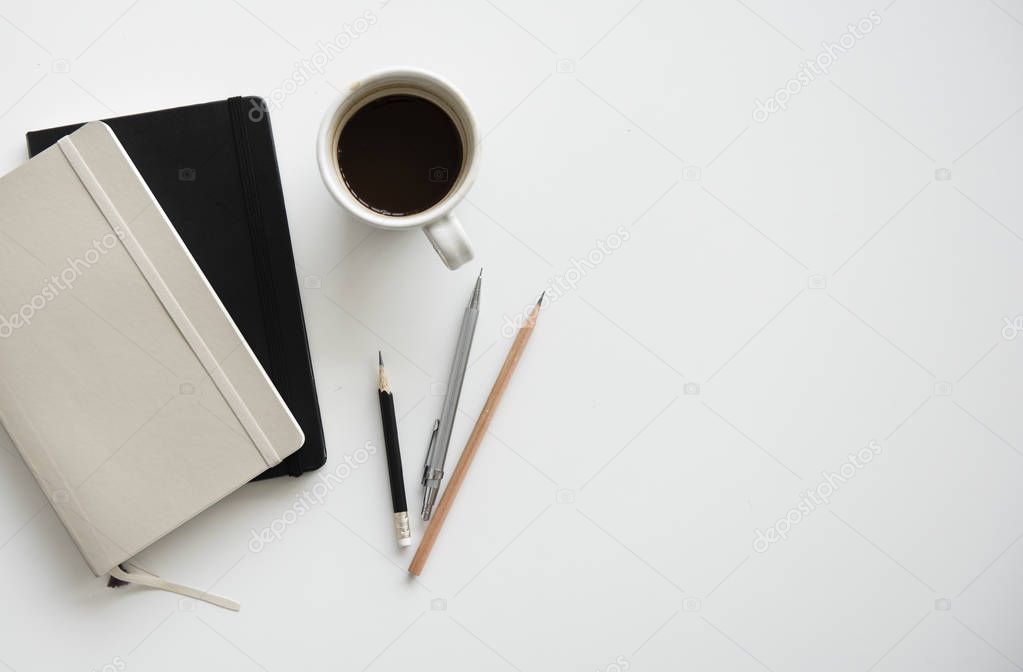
x=438, y=222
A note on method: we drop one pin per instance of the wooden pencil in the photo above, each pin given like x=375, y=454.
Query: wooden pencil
x=394, y=472
x=475, y=439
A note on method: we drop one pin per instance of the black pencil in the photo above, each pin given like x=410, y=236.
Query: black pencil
x=401, y=528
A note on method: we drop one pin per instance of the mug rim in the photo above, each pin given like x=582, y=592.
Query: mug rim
x=326, y=152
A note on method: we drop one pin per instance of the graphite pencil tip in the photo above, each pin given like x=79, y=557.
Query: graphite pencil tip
x=540, y=300
x=383, y=384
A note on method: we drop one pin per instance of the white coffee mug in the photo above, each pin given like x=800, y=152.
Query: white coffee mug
x=438, y=222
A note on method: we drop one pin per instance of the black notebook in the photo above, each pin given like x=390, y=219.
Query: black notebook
x=213, y=169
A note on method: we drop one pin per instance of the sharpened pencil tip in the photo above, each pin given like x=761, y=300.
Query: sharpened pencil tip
x=540, y=300
x=383, y=384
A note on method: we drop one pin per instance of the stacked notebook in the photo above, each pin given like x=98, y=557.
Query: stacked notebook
x=130, y=393
x=153, y=355
x=213, y=169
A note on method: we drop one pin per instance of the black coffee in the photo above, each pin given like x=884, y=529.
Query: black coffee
x=400, y=154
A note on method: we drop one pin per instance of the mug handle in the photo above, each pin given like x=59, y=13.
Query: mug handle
x=448, y=237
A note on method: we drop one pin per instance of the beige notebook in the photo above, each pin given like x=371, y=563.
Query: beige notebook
x=125, y=385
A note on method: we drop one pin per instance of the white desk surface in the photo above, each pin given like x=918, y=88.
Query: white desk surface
x=848, y=271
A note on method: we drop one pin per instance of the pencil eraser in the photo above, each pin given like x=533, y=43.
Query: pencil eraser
x=401, y=529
